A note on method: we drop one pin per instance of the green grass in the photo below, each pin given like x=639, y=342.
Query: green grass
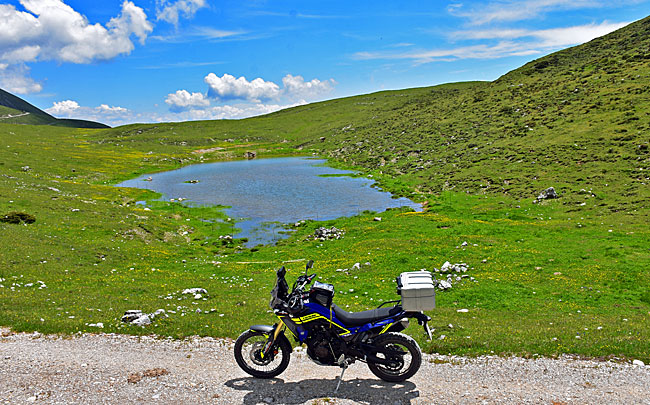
x=562, y=276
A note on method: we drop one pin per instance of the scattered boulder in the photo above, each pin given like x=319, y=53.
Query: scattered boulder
x=131, y=315
x=26, y=168
x=194, y=181
x=195, y=291
x=355, y=266
x=323, y=234
x=547, y=194
x=143, y=320
x=452, y=273
x=148, y=179
x=137, y=317
x=250, y=155
x=378, y=219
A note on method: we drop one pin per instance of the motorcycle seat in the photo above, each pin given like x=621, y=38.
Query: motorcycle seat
x=364, y=317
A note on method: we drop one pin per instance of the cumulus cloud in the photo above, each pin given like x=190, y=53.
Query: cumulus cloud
x=227, y=87
x=105, y=108
x=16, y=79
x=52, y=30
x=170, y=11
x=63, y=108
x=104, y=113
x=183, y=100
x=297, y=87
x=237, y=111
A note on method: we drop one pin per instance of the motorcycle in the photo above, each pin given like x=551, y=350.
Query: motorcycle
x=333, y=336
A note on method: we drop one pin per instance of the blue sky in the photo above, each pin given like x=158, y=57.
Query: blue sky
x=120, y=62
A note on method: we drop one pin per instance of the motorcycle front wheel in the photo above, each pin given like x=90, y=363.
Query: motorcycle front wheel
x=248, y=354
x=404, y=354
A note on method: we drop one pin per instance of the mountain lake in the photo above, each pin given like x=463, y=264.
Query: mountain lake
x=264, y=195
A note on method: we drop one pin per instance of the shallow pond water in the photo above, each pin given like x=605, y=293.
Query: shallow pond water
x=266, y=193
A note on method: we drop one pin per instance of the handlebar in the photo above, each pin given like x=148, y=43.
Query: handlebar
x=294, y=301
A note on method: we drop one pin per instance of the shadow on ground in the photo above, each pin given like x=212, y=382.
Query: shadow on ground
x=368, y=391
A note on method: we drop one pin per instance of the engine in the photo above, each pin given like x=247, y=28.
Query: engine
x=324, y=347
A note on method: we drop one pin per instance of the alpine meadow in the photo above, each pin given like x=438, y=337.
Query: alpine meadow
x=545, y=276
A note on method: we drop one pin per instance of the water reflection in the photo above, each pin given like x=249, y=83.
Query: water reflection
x=266, y=193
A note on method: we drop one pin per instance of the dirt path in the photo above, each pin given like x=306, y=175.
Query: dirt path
x=96, y=369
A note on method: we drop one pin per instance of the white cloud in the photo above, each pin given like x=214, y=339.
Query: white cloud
x=63, y=108
x=52, y=30
x=557, y=37
x=237, y=111
x=105, y=108
x=170, y=11
x=183, y=100
x=15, y=79
x=500, y=11
x=296, y=87
x=104, y=113
x=512, y=42
x=227, y=87
x=548, y=38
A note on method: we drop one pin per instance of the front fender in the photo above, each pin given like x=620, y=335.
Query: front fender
x=268, y=330
x=262, y=328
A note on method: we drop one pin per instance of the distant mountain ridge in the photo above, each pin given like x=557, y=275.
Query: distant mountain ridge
x=18, y=111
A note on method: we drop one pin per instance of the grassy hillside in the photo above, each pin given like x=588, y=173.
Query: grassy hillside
x=15, y=110
x=561, y=276
x=576, y=119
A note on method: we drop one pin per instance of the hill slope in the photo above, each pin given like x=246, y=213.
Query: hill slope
x=564, y=276
x=15, y=110
x=576, y=120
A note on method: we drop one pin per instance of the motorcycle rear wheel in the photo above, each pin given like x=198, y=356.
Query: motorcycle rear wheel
x=248, y=350
x=405, y=364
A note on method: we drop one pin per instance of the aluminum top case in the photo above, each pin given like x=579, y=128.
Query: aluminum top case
x=417, y=291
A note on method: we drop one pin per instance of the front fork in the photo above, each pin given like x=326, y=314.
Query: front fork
x=271, y=340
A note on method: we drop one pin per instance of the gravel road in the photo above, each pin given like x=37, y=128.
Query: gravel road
x=105, y=368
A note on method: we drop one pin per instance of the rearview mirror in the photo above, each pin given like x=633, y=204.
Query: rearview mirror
x=310, y=264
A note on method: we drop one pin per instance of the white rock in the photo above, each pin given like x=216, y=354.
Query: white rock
x=142, y=321
x=638, y=363
x=462, y=310
x=356, y=266
x=195, y=290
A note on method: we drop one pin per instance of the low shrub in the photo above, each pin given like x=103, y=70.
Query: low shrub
x=18, y=217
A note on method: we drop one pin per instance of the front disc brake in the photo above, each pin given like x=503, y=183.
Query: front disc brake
x=256, y=354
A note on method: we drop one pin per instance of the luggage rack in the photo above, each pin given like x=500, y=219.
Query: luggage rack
x=388, y=302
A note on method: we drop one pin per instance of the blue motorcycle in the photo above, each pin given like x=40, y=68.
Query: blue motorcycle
x=333, y=336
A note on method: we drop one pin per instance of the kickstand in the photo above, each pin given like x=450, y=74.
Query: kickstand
x=342, y=362
x=343, y=368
